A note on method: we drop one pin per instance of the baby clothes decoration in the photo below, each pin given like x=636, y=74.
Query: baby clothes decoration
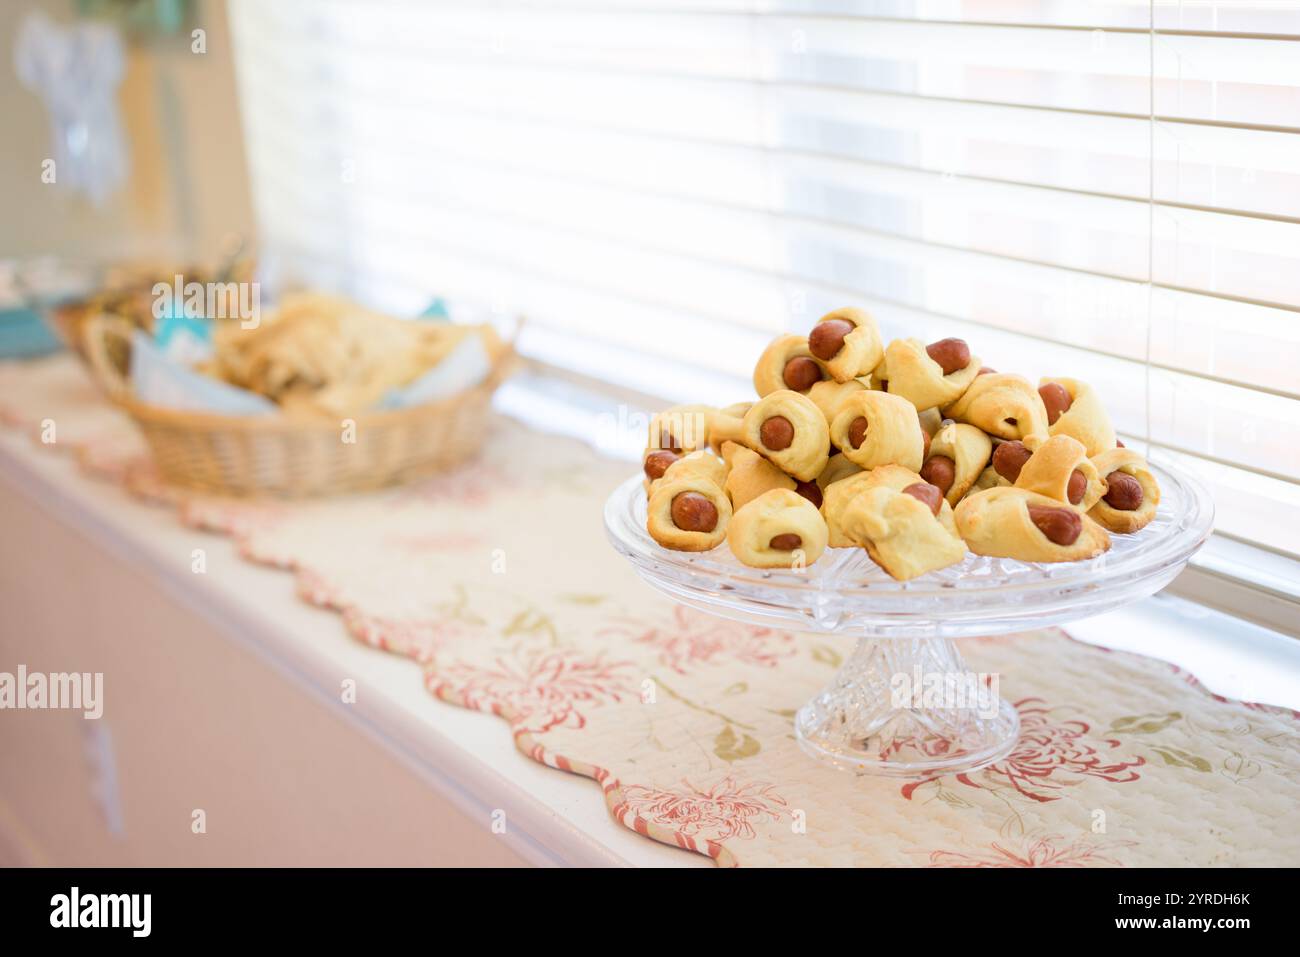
x=76, y=71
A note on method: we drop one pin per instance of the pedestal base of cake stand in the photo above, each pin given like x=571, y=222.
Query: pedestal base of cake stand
x=907, y=707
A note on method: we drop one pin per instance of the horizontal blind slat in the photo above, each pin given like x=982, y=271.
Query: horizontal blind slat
x=1253, y=79
x=1249, y=17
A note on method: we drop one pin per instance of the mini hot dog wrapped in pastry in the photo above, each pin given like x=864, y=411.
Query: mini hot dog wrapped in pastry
x=689, y=514
x=789, y=429
x=779, y=529
x=902, y=531
x=1058, y=468
x=876, y=428
x=702, y=464
x=839, y=496
x=1011, y=522
x=787, y=364
x=751, y=475
x=727, y=425
x=1131, y=491
x=1008, y=459
x=654, y=463
x=1074, y=409
x=929, y=376
x=675, y=433
x=1002, y=404
x=828, y=395
x=681, y=429
x=848, y=342
x=958, y=454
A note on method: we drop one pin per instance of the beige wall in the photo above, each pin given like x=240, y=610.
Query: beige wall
x=188, y=187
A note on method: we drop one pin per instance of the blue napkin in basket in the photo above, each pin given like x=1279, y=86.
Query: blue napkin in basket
x=158, y=380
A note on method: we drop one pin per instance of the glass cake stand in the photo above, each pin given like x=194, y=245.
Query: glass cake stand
x=905, y=703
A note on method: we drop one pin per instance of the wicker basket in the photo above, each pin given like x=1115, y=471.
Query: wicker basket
x=278, y=456
x=68, y=321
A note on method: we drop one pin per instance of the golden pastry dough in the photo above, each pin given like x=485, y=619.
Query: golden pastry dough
x=862, y=350
x=877, y=379
x=916, y=377
x=806, y=453
x=769, y=372
x=733, y=454
x=996, y=522
x=829, y=395
x=682, y=428
x=931, y=421
x=751, y=475
x=893, y=435
x=901, y=534
x=664, y=530
x=1048, y=471
x=837, y=467
x=989, y=478
x=773, y=516
x=728, y=425
x=1002, y=404
x=1085, y=419
x=1131, y=463
x=838, y=496
x=969, y=450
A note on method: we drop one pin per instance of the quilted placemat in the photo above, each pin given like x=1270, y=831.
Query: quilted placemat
x=496, y=580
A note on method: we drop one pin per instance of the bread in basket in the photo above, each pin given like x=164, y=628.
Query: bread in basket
x=295, y=455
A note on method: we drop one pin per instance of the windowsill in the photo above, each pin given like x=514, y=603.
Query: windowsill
x=1244, y=581
x=1228, y=655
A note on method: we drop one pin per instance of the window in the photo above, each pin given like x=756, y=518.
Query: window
x=1108, y=189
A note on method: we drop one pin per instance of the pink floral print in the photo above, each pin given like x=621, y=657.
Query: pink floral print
x=723, y=811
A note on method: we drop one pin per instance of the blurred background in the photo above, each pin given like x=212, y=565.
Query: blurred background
x=185, y=192
x=1108, y=189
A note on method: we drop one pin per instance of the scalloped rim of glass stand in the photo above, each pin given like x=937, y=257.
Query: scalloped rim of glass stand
x=1153, y=555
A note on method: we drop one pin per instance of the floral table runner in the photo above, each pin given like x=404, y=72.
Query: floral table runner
x=497, y=582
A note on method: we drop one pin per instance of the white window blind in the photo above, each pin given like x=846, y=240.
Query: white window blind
x=1107, y=189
